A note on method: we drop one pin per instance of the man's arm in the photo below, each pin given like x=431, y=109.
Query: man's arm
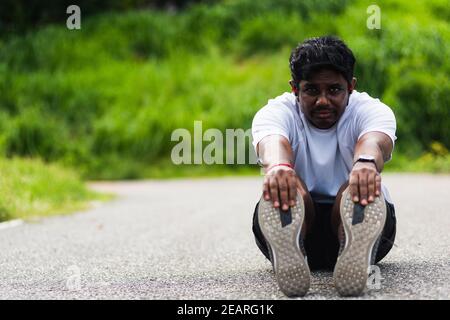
x=364, y=179
x=280, y=182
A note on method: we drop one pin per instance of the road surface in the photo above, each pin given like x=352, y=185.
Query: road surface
x=192, y=239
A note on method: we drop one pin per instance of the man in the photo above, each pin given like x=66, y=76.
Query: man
x=323, y=147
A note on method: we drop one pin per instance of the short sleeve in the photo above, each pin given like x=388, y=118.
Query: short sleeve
x=272, y=119
x=375, y=116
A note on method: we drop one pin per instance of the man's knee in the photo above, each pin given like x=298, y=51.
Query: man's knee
x=303, y=190
x=339, y=196
x=309, y=206
x=342, y=189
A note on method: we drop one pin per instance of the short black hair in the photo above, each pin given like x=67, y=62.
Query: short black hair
x=318, y=53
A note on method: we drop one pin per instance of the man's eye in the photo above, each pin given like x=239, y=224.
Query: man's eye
x=335, y=90
x=311, y=90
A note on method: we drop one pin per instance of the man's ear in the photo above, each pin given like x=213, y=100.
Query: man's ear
x=352, y=85
x=294, y=87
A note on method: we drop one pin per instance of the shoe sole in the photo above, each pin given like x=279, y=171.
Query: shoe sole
x=352, y=266
x=290, y=266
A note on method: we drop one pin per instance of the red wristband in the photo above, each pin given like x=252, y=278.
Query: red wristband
x=280, y=164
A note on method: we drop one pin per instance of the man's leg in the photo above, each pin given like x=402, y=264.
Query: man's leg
x=306, y=227
x=360, y=230
x=336, y=222
x=279, y=235
x=309, y=209
x=389, y=230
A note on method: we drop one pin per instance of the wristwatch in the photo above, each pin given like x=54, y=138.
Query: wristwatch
x=259, y=162
x=366, y=158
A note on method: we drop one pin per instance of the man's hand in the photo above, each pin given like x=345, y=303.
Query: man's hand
x=364, y=182
x=364, y=179
x=281, y=185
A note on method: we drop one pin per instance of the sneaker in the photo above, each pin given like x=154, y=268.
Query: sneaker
x=363, y=226
x=281, y=230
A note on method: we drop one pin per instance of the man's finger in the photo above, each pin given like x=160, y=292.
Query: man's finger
x=378, y=185
x=363, y=189
x=292, y=183
x=353, y=186
x=284, y=196
x=371, y=187
x=266, y=193
x=274, y=192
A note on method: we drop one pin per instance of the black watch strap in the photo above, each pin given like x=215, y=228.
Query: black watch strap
x=367, y=160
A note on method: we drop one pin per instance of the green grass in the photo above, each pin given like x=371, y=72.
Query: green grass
x=104, y=100
x=167, y=170
x=426, y=163
x=435, y=160
x=31, y=188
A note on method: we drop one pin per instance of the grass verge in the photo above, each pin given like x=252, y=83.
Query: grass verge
x=30, y=188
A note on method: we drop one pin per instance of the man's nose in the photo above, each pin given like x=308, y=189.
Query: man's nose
x=322, y=100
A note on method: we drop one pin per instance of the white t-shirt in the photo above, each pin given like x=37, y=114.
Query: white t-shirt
x=323, y=158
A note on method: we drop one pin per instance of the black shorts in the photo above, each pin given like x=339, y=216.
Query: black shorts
x=321, y=245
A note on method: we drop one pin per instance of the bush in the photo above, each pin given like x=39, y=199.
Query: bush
x=420, y=102
x=105, y=99
x=31, y=134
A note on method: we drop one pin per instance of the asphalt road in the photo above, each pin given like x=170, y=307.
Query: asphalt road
x=192, y=239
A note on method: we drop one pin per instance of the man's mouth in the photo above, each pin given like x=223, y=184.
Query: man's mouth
x=324, y=113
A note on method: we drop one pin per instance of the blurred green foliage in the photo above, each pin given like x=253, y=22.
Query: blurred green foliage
x=19, y=16
x=105, y=99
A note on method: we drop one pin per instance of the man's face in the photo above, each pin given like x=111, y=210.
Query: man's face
x=324, y=97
